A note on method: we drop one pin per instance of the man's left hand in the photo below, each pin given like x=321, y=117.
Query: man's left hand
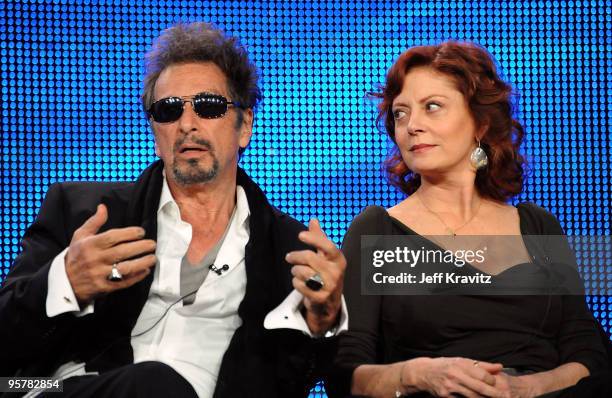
x=323, y=305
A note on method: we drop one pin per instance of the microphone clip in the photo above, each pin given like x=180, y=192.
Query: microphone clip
x=218, y=271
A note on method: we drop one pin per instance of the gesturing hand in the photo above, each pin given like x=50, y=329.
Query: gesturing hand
x=90, y=257
x=323, y=305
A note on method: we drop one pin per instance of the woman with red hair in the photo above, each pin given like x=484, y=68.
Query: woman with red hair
x=456, y=157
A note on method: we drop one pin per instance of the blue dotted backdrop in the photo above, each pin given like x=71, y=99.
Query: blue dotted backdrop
x=71, y=78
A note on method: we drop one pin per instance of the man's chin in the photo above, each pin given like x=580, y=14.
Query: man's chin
x=194, y=174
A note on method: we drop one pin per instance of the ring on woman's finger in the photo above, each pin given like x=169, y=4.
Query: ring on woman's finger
x=476, y=363
x=315, y=282
x=115, y=275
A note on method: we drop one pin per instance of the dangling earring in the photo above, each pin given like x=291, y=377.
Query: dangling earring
x=479, y=158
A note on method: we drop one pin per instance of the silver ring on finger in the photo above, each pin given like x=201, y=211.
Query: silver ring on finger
x=115, y=275
x=476, y=363
x=315, y=282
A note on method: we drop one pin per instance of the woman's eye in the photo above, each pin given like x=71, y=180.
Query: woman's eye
x=432, y=106
x=398, y=114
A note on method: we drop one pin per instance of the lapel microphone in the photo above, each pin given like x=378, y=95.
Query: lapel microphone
x=218, y=271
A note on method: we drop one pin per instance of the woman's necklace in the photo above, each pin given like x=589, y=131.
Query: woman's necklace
x=451, y=231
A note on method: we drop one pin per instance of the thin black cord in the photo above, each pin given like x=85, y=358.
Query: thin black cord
x=165, y=312
x=131, y=336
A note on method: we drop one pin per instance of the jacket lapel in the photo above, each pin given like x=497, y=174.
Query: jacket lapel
x=262, y=280
x=135, y=206
x=141, y=211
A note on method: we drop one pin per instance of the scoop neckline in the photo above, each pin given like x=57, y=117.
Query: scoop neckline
x=519, y=207
x=522, y=226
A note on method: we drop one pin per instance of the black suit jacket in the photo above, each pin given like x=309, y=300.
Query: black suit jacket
x=258, y=362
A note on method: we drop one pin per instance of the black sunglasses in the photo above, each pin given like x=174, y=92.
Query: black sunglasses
x=205, y=105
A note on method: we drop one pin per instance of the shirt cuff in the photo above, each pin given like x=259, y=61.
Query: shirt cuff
x=60, y=296
x=288, y=315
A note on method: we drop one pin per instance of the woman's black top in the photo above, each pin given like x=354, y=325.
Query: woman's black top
x=529, y=333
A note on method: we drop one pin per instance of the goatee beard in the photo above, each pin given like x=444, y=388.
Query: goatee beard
x=192, y=172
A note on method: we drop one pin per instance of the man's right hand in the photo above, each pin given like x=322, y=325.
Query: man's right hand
x=90, y=257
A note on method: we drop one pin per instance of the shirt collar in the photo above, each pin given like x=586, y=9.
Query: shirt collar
x=166, y=196
x=242, y=204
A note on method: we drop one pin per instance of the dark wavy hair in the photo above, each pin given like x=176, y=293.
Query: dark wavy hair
x=489, y=101
x=202, y=42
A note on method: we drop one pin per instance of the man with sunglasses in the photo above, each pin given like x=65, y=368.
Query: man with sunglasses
x=179, y=284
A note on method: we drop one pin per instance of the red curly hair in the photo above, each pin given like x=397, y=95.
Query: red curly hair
x=488, y=97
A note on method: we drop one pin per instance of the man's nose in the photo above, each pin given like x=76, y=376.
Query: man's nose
x=188, y=120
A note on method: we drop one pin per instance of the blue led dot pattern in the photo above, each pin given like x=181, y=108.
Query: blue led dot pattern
x=71, y=79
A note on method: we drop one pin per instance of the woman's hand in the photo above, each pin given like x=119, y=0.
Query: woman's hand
x=444, y=377
x=515, y=386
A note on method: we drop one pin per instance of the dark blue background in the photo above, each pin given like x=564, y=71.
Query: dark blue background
x=71, y=78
